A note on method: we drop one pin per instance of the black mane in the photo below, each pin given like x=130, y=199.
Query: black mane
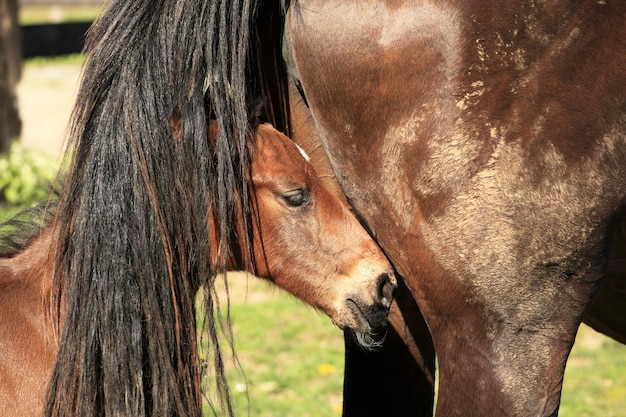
x=132, y=217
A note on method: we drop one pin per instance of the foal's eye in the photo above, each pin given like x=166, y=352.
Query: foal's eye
x=296, y=198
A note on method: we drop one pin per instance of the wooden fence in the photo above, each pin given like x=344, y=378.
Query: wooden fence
x=53, y=39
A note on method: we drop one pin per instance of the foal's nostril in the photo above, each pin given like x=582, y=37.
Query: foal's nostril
x=386, y=289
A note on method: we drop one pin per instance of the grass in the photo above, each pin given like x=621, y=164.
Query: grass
x=595, y=378
x=7, y=211
x=291, y=355
x=73, y=60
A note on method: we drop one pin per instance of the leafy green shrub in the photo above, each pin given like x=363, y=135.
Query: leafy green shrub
x=26, y=176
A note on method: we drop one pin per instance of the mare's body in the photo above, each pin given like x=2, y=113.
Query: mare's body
x=484, y=144
x=305, y=240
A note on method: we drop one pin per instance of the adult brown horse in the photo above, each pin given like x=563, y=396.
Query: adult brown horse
x=484, y=144
x=305, y=240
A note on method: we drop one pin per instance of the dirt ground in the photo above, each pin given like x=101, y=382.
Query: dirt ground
x=46, y=95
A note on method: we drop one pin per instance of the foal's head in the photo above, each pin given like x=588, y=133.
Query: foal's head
x=309, y=243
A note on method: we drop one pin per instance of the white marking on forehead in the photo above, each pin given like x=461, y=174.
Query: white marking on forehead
x=303, y=153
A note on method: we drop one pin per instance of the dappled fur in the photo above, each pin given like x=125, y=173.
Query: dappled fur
x=135, y=206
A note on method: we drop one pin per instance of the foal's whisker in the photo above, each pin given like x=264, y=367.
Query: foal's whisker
x=369, y=341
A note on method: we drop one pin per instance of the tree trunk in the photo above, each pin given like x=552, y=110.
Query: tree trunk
x=10, y=68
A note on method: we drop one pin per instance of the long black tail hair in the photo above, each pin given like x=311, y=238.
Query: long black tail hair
x=132, y=217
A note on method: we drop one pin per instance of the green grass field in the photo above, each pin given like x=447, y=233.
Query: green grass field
x=595, y=378
x=291, y=356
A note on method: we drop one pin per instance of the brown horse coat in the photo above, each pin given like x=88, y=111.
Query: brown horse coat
x=484, y=144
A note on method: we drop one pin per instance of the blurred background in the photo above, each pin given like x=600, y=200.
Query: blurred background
x=290, y=357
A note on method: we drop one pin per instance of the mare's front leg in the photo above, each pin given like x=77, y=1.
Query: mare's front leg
x=503, y=337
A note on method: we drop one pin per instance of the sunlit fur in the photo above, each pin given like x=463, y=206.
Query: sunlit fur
x=463, y=133
x=132, y=223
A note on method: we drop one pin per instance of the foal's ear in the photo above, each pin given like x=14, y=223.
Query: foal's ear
x=178, y=129
x=212, y=132
x=176, y=125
